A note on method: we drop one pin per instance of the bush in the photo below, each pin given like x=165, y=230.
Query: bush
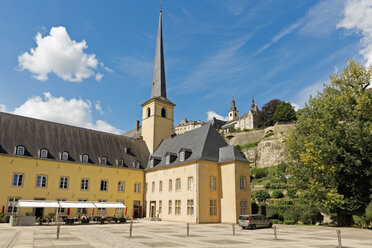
x=277, y=193
x=290, y=212
x=291, y=193
x=312, y=217
x=258, y=173
x=261, y=195
x=255, y=208
x=290, y=222
x=275, y=221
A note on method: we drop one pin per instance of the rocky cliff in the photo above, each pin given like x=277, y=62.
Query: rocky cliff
x=264, y=149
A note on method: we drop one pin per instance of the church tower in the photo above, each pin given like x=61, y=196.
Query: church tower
x=157, y=112
x=233, y=113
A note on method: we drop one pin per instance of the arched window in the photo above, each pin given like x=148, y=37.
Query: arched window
x=64, y=156
x=148, y=112
x=103, y=160
x=163, y=113
x=20, y=150
x=120, y=162
x=43, y=153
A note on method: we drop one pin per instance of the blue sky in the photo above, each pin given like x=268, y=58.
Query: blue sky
x=89, y=63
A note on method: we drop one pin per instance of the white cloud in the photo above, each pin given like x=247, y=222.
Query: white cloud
x=2, y=108
x=75, y=112
x=106, y=68
x=303, y=96
x=99, y=107
x=211, y=114
x=57, y=53
x=358, y=18
x=99, y=76
x=295, y=106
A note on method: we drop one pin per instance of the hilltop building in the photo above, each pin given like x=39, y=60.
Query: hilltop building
x=195, y=177
x=186, y=125
x=250, y=120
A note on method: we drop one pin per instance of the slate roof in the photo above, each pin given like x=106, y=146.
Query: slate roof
x=134, y=133
x=36, y=134
x=204, y=142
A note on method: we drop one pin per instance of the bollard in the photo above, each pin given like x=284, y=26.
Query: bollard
x=188, y=229
x=339, y=238
x=233, y=227
x=130, y=228
x=58, y=230
x=275, y=237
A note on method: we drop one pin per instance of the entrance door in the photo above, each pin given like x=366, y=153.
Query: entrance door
x=39, y=212
x=152, y=209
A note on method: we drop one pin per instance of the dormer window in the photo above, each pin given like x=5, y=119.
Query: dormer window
x=121, y=162
x=185, y=153
x=64, y=156
x=103, y=160
x=20, y=150
x=85, y=158
x=154, y=161
x=127, y=150
x=136, y=164
x=43, y=153
x=170, y=157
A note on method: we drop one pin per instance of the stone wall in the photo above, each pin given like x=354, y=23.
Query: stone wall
x=270, y=151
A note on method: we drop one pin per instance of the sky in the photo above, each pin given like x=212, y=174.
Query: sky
x=90, y=63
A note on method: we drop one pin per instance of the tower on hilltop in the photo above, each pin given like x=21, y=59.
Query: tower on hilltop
x=233, y=113
x=157, y=112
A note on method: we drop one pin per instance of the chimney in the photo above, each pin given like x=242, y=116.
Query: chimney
x=137, y=125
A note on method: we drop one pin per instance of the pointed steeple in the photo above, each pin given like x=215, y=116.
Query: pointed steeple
x=233, y=107
x=158, y=80
x=252, y=104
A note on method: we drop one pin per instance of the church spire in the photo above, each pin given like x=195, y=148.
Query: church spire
x=158, y=80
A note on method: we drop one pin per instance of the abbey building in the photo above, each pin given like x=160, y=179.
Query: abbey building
x=194, y=177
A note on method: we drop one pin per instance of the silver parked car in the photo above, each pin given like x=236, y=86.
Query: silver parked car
x=254, y=221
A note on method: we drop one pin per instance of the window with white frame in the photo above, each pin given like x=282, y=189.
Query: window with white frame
x=153, y=187
x=103, y=160
x=85, y=158
x=243, y=208
x=160, y=206
x=61, y=210
x=41, y=181
x=182, y=156
x=137, y=188
x=17, y=180
x=121, y=162
x=190, y=183
x=64, y=156
x=160, y=186
x=43, y=153
x=104, y=184
x=20, y=150
x=12, y=205
x=177, y=207
x=63, y=182
x=121, y=186
x=167, y=159
x=178, y=184
x=242, y=183
x=190, y=207
x=101, y=210
x=170, y=185
x=169, y=207
x=82, y=210
x=84, y=184
x=212, y=183
x=212, y=207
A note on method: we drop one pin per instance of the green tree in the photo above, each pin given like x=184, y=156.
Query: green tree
x=262, y=195
x=267, y=112
x=284, y=112
x=331, y=146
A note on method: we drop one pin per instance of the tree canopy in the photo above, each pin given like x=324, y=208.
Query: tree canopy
x=331, y=146
x=284, y=112
x=267, y=112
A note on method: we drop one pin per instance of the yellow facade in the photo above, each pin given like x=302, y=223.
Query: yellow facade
x=156, y=127
x=30, y=168
x=216, y=203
